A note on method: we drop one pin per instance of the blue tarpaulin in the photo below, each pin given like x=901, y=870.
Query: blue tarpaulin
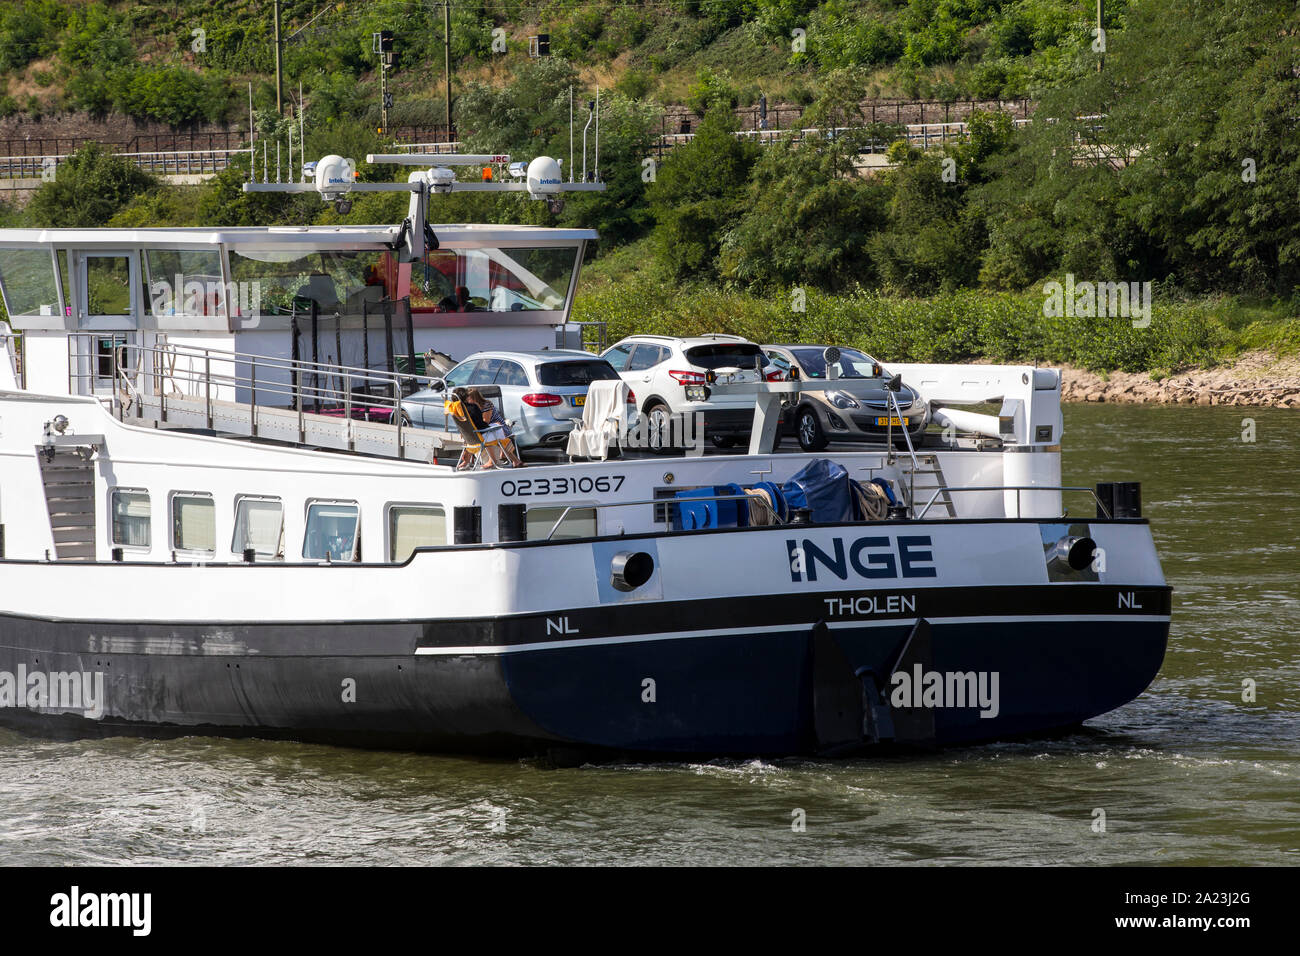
x=823, y=488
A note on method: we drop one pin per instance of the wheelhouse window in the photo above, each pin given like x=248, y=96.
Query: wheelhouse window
x=414, y=526
x=184, y=282
x=580, y=523
x=27, y=281
x=194, y=523
x=259, y=524
x=331, y=531
x=108, y=284
x=493, y=280
x=131, y=518
x=289, y=281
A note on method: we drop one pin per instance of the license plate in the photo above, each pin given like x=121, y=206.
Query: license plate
x=891, y=421
x=578, y=400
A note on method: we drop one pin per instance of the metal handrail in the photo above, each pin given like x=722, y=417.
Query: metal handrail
x=1017, y=489
x=256, y=373
x=647, y=501
x=664, y=501
x=12, y=342
x=889, y=440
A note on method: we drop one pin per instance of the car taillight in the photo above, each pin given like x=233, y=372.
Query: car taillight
x=688, y=378
x=542, y=399
x=631, y=397
x=776, y=375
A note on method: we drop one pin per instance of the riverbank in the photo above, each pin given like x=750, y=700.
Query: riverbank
x=1254, y=379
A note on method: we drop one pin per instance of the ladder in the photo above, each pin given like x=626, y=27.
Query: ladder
x=68, y=475
x=927, y=478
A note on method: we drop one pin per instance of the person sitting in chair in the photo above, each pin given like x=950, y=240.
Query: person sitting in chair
x=499, y=427
x=463, y=301
x=475, y=417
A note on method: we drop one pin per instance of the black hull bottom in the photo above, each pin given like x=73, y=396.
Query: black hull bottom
x=784, y=692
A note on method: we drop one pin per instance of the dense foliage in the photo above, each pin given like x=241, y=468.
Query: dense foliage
x=1176, y=165
x=85, y=54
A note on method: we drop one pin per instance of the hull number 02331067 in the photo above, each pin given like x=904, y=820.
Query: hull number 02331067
x=583, y=485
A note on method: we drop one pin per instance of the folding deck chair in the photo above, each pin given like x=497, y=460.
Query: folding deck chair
x=474, y=443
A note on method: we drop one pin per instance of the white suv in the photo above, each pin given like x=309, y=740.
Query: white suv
x=667, y=373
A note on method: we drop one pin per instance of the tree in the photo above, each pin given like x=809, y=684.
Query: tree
x=700, y=189
x=527, y=117
x=1178, y=160
x=807, y=221
x=88, y=189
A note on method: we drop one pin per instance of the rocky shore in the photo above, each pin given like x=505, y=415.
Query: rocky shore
x=1256, y=378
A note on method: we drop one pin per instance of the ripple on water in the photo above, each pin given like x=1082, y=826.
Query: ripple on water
x=1187, y=774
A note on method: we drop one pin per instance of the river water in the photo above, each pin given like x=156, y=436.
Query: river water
x=1187, y=774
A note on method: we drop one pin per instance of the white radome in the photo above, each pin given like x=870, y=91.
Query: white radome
x=335, y=175
x=544, y=178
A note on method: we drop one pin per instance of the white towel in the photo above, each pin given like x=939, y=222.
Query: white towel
x=604, y=418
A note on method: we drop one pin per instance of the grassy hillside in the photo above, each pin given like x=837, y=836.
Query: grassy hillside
x=1176, y=167
x=150, y=60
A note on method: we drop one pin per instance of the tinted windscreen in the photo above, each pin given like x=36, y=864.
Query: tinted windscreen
x=730, y=355
x=853, y=364
x=560, y=374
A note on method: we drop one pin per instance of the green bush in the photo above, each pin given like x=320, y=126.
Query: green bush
x=174, y=95
x=28, y=30
x=89, y=188
x=97, y=38
x=950, y=328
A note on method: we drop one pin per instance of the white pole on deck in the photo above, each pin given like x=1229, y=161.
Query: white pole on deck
x=302, y=129
x=252, y=139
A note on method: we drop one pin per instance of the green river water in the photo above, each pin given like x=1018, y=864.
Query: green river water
x=1186, y=774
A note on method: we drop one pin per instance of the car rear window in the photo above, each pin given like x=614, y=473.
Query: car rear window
x=727, y=355
x=561, y=374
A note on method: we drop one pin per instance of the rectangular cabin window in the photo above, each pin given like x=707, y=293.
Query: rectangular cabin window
x=27, y=280
x=185, y=282
x=131, y=518
x=259, y=524
x=495, y=280
x=282, y=282
x=194, y=523
x=411, y=527
x=108, y=284
x=581, y=523
x=331, y=532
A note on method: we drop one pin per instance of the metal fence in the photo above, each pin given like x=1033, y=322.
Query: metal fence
x=182, y=153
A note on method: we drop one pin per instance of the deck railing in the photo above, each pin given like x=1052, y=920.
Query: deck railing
x=164, y=371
